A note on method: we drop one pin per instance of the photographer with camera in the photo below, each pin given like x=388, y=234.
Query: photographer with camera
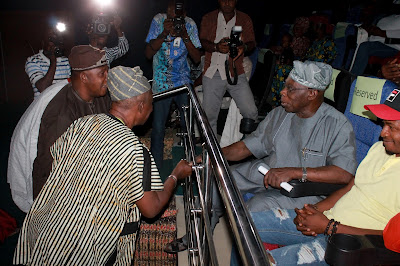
x=98, y=32
x=226, y=34
x=171, y=39
x=49, y=66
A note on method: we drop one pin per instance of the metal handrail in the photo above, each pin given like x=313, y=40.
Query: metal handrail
x=247, y=239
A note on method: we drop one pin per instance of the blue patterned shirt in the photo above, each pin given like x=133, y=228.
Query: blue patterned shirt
x=170, y=65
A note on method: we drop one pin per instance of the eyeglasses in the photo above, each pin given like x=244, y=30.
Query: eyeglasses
x=291, y=89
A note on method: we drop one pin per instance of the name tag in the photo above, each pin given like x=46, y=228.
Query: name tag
x=177, y=42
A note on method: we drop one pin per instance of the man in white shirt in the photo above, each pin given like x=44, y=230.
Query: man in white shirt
x=215, y=31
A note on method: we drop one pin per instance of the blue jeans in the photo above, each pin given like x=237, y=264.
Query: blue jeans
x=367, y=49
x=276, y=227
x=160, y=116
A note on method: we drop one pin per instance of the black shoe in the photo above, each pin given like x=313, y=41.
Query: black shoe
x=175, y=246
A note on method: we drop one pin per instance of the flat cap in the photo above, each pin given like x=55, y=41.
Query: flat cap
x=84, y=57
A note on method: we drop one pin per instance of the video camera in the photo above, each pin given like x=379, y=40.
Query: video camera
x=101, y=24
x=234, y=41
x=179, y=19
x=59, y=44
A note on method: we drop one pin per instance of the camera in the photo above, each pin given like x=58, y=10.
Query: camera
x=59, y=44
x=179, y=20
x=234, y=41
x=101, y=24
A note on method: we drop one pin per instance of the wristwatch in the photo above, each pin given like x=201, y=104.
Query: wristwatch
x=185, y=40
x=304, y=177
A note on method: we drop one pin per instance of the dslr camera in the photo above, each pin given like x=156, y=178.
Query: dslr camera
x=59, y=44
x=101, y=24
x=234, y=41
x=179, y=19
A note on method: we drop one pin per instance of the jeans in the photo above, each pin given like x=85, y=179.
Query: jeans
x=367, y=49
x=276, y=227
x=160, y=115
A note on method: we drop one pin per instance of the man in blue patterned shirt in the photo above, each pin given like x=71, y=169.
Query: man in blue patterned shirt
x=170, y=43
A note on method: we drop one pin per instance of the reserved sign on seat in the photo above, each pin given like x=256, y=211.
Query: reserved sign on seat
x=366, y=91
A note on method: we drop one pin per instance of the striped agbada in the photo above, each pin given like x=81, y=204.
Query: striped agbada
x=90, y=194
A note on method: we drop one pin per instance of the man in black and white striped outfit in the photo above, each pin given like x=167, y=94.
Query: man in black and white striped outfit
x=103, y=179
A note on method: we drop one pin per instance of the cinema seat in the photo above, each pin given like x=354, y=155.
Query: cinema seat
x=338, y=93
x=366, y=131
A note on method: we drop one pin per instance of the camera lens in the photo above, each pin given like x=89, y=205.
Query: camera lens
x=101, y=28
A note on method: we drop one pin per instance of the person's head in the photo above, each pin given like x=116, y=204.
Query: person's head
x=303, y=92
x=389, y=112
x=98, y=40
x=301, y=26
x=227, y=6
x=130, y=94
x=52, y=38
x=89, y=71
x=286, y=40
x=171, y=9
x=320, y=26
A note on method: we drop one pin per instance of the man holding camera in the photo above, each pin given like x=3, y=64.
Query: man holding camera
x=98, y=33
x=49, y=66
x=171, y=39
x=220, y=51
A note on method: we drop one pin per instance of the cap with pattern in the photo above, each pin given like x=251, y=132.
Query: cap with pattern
x=314, y=75
x=125, y=82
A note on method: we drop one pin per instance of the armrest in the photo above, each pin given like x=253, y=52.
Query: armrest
x=343, y=249
x=310, y=189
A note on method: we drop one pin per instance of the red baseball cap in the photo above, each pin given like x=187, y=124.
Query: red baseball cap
x=391, y=234
x=390, y=109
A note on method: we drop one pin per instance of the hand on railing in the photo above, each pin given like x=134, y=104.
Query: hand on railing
x=198, y=159
x=182, y=170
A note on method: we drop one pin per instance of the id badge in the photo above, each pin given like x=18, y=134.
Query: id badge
x=177, y=42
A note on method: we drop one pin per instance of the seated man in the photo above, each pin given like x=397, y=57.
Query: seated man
x=364, y=206
x=304, y=139
x=103, y=179
x=29, y=162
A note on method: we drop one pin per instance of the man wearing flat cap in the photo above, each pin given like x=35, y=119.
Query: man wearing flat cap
x=49, y=116
x=103, y=179
x=363, y=207
x=303, y=139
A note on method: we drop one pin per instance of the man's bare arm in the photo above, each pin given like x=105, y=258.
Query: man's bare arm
x=236, y=151
x=154, y=201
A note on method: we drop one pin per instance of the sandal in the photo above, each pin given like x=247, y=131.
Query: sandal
x=175, y=246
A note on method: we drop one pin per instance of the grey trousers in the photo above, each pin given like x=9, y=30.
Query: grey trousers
x=214, y=90
x=249, y=180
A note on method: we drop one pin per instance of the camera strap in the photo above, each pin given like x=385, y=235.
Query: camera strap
x=228, y=75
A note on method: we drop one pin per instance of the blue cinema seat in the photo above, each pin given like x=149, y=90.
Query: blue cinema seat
x=367, y=131
x=345, y=38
